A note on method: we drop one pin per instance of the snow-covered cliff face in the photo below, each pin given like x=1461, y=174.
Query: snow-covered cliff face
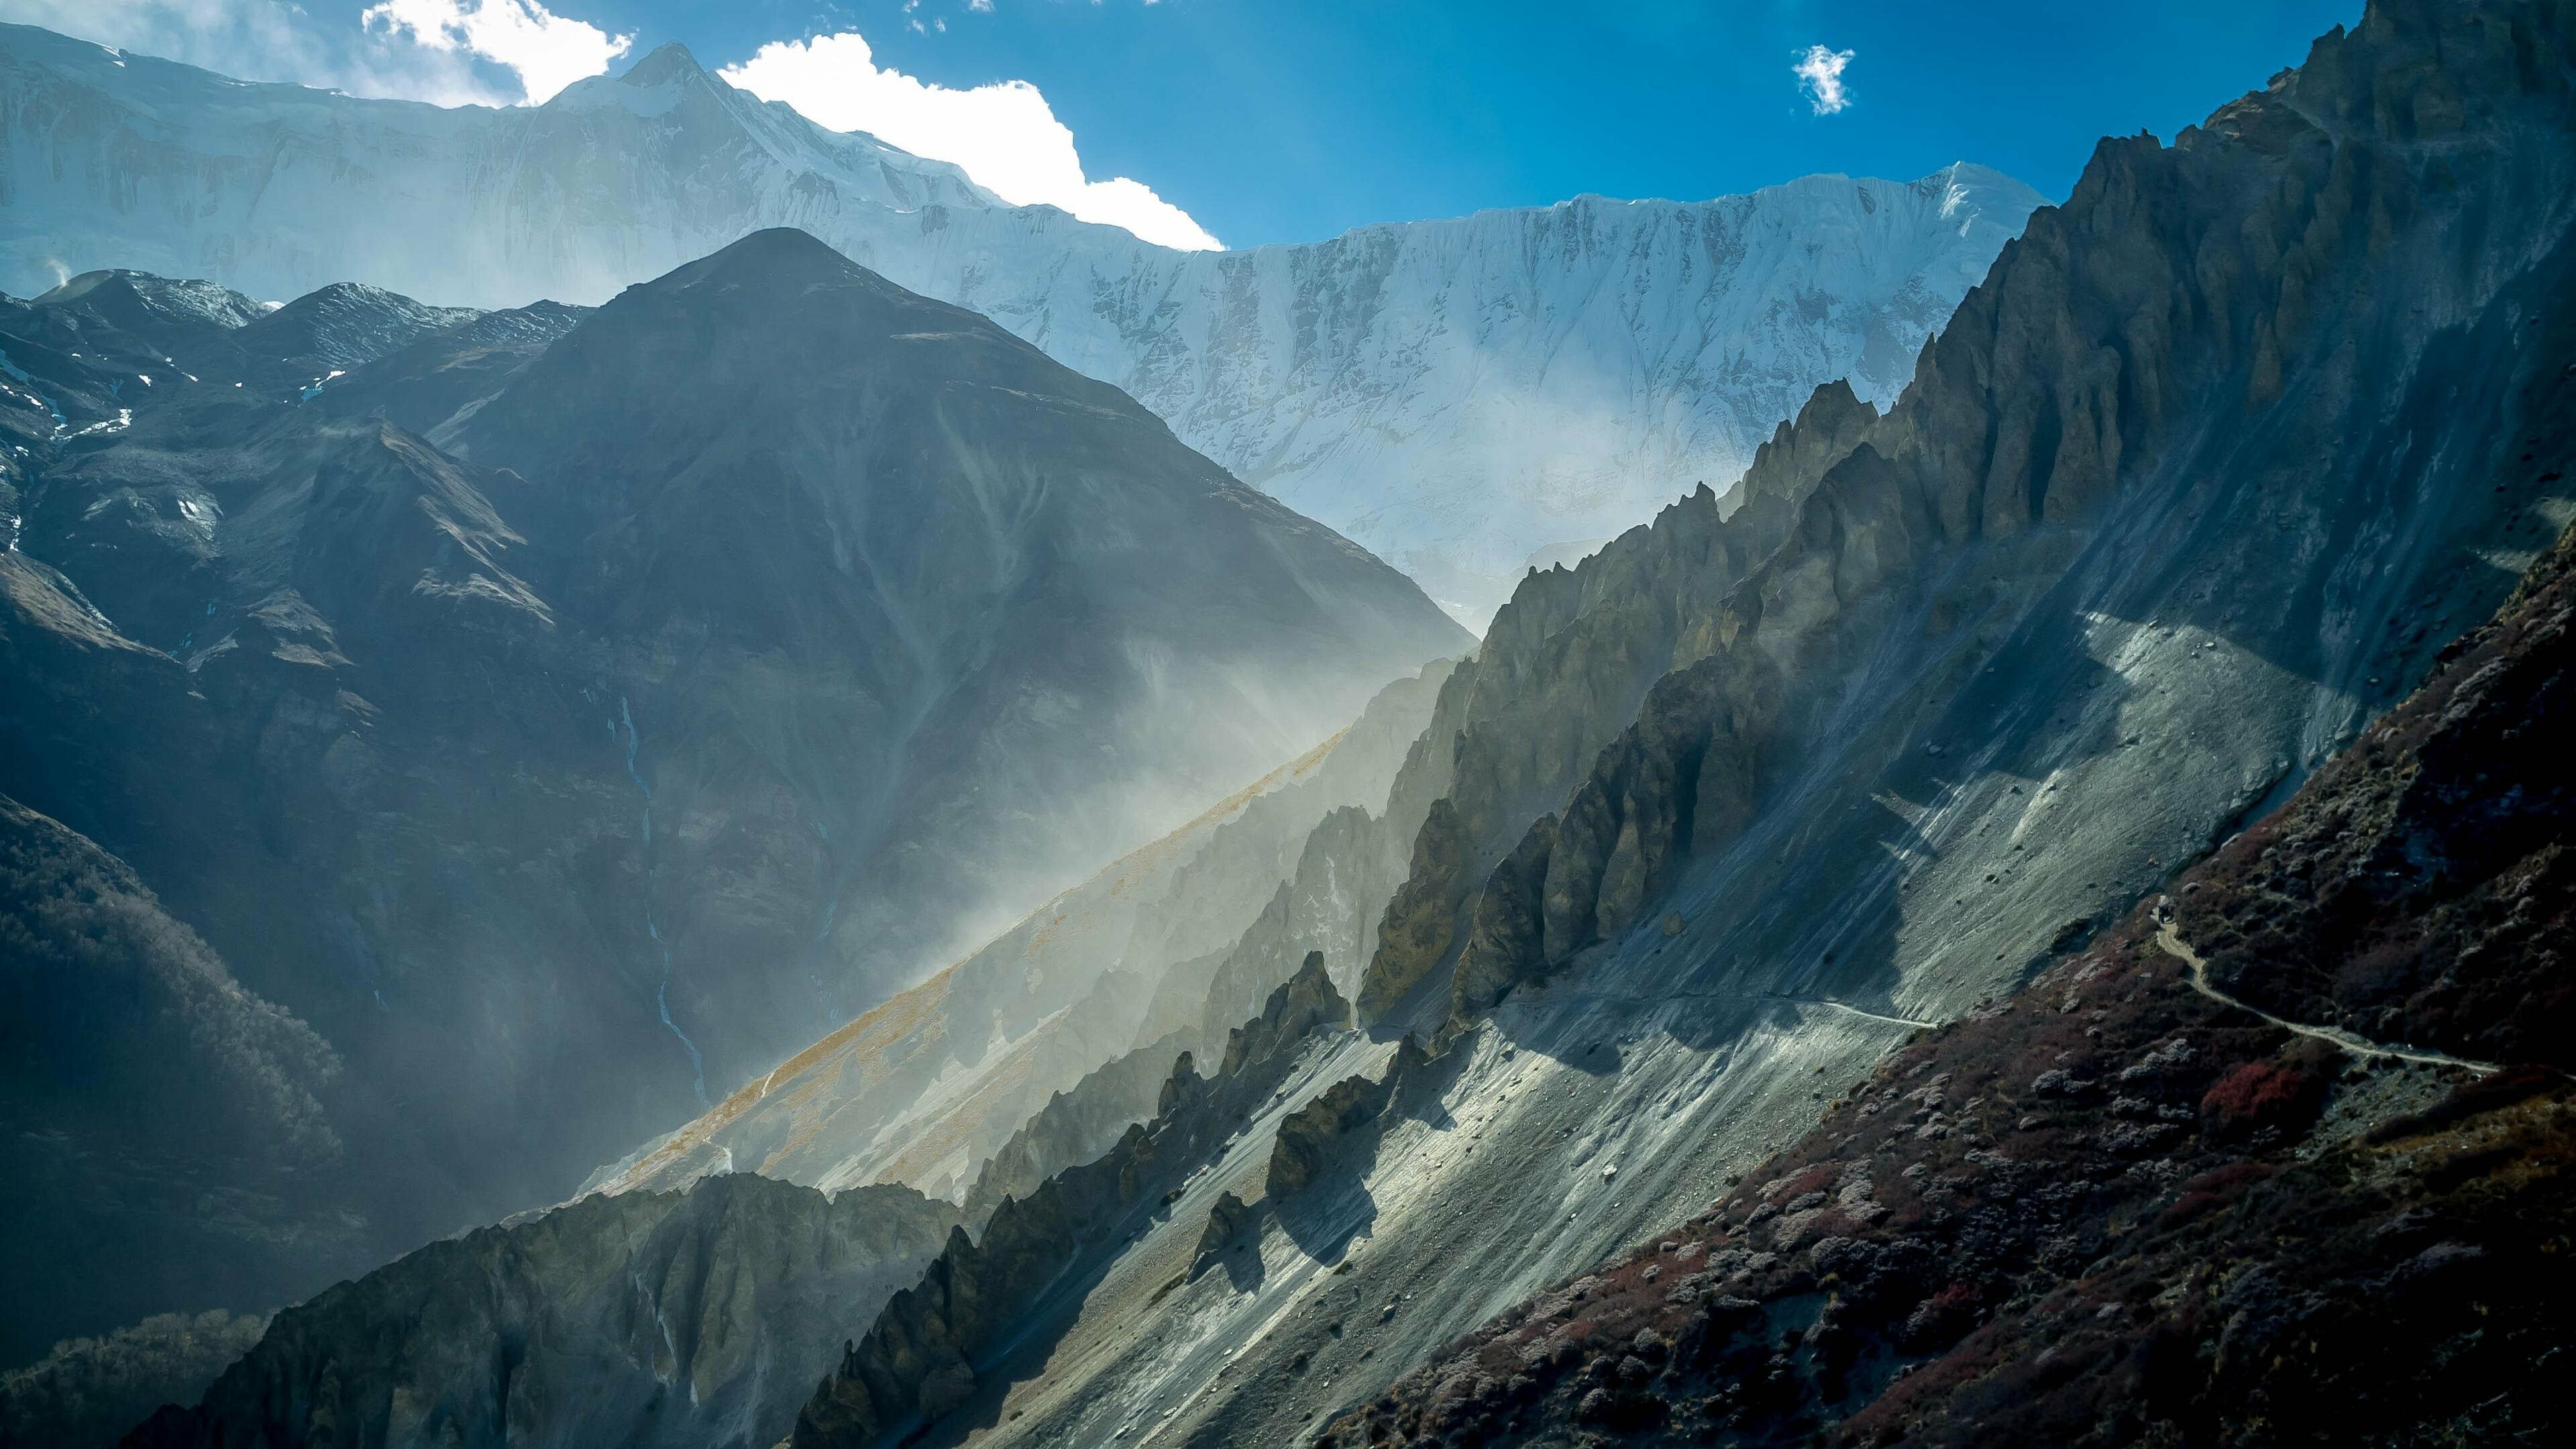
x=1462, y=397
x=1467, y=397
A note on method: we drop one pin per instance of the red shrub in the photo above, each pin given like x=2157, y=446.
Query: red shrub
x=2257, y=1095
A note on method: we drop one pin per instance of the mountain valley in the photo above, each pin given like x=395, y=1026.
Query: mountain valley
x=2030, y=906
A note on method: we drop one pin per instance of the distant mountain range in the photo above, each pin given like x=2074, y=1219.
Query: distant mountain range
x=1462, y=397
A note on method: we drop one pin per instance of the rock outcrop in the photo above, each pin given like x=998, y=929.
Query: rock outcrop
x=919, y=1361
x=644, y=1319
x=1076, y=1126
x=1307, y=1136
x=1228, y=1220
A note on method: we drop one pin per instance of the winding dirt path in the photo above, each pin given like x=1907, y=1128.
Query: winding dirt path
x=1852, y=1010
x=2172, y=942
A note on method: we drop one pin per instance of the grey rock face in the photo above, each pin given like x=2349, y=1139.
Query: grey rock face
x=1076, y=1126
x=643, y=1319
x=1303, y=1147
x=917, y=1363
x=1565, y=668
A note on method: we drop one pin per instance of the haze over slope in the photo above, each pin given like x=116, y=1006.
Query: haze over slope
x=811, y=630
x=1459, y=396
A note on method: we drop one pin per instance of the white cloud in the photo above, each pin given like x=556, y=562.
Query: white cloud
x=1820, y=78
x=501, y=52
x=266, y=40
x=523, y=46
x=1004, y=135
x=545, y=50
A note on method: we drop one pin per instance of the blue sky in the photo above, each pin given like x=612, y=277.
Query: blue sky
x=1287, y=120
x=1283, y=120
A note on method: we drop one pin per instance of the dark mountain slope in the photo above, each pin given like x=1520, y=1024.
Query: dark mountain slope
x=672, y=1319
x=985, y=580
x=148, y=1103
x=328, y=331
x=2110, y=1209
x=424, y=383
x=88, y=1392
x=814, y=631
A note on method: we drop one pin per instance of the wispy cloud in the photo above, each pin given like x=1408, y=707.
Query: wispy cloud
x=447, y=52
x=503, y=52
x=1005, y=135
x=1820, y=78
x=544, y=50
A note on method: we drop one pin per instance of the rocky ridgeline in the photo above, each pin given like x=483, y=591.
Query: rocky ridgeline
x=1121, y=968
x=2176, y=285
x=1369, y=379
x=1078, y=1125
x=917, y=1362
x=641, y=1319
x=1307, y=1137
x=2112, y=1208
x=1565, y=667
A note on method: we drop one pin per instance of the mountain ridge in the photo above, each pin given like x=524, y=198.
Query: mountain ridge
x=1569, y=367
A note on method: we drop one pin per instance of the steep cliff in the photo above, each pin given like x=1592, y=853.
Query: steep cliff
x=922, y=1359
x=2193, y=314
x=2119, y=1207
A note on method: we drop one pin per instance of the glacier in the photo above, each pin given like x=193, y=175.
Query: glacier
x=1467, y=398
